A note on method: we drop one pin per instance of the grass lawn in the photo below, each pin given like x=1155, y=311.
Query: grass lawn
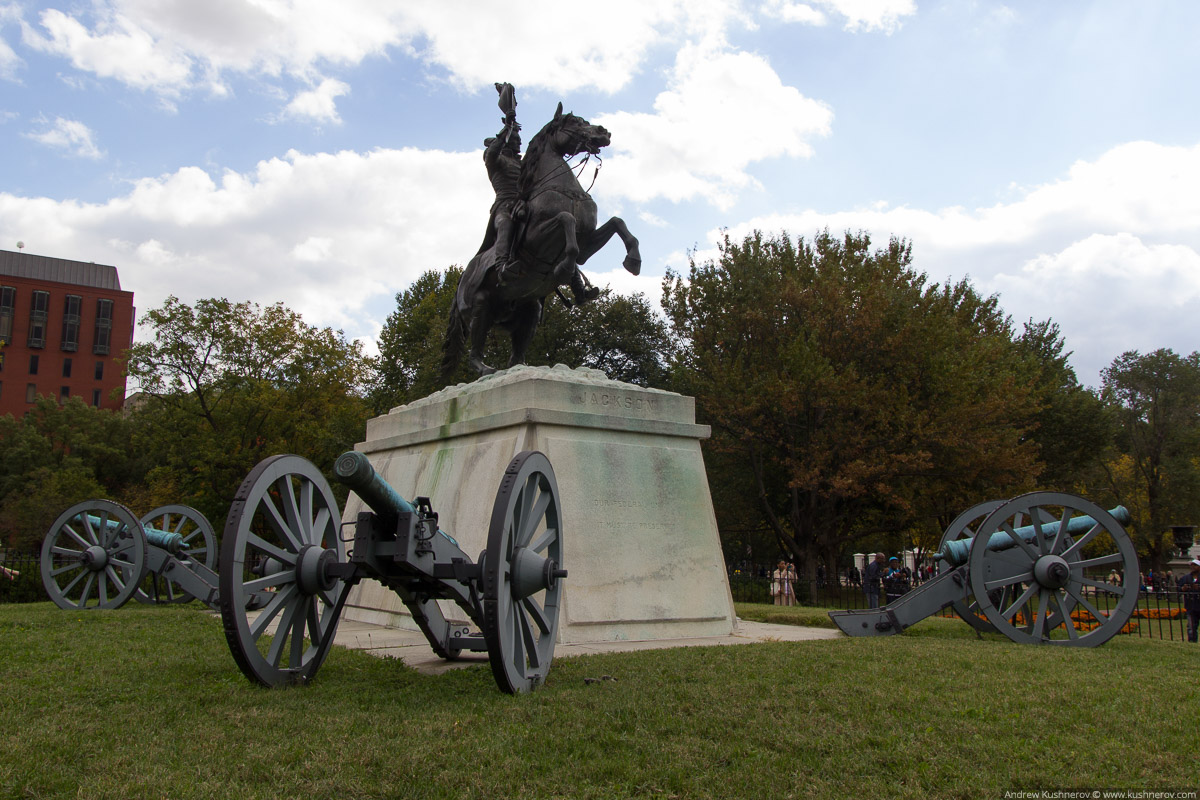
x=146, y=702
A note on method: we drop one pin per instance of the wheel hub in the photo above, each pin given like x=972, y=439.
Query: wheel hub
x=95, y=558
x=312, y=575
x=532, y=573
x=1052, y=572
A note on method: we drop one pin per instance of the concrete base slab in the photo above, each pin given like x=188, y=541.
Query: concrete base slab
x=412, y=648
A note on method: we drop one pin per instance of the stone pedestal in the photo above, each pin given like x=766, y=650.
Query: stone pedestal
x=639, y=535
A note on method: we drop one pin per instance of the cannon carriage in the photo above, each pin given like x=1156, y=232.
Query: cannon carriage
x=283, y=537
x=1032, y=568
x=97, y=554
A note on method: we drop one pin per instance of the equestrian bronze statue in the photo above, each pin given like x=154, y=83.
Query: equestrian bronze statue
x=539, y=232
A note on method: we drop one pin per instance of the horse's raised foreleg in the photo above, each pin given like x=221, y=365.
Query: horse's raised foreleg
x=615, y=225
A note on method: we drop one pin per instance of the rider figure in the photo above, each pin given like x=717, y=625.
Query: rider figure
x=502, y=156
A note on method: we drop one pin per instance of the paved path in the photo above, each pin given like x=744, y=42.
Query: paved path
x=413, y=649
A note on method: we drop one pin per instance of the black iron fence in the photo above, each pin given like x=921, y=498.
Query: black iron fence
x=20, y=578
x=1159, y=614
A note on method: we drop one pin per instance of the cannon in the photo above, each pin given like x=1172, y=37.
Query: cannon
x=97, y=554
x=1032, y=568
x=282, y=537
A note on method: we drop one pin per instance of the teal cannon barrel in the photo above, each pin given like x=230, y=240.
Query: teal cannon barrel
x=355, y=471
x=958, y=551
x=166, y=540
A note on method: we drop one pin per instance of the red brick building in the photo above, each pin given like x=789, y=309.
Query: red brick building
x=62, y=324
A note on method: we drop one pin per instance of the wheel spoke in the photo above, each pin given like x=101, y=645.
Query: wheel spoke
x=276, y=520
x=1068, y=620
x=544, y=540
x=1043, y=612
x=1068, y=512
x=539, y=616
x=275, y=653
x=278, y=553
x=87, y=589
x=1100, y=561
x=1012, y=610
x=1111, y=588
x=297, y=654
x=67, y=568
x=71, y=532
x=272, y=608
x=531, y=648
x=319, y=525
x=112, y=575
x=274, y=579
x=530, y=524
x=1008, y=580
x=1081, y=541
x=314, y=622
x=1091, y=609
x=1019, y=541
x=291, y=508
x=305, y=511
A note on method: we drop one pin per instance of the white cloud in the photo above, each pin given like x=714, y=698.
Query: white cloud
x=319, y=104
x=9, y=60
x=859, y=15
x=722, y=112
x=67, y=134
x=118, y=48
x=327, y=234
x=1109, y=251
x=1112, y=292
x=171, y=45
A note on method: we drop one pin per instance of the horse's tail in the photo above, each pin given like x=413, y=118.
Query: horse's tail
x=452, y=346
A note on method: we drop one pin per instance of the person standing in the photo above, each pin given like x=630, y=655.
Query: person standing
x=1189, y=593
x=872, y=578
x=781, y=584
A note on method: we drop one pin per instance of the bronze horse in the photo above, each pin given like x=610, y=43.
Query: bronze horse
x=560, y=234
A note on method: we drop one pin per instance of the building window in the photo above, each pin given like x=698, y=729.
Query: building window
x=104, y=309
x=8, y=302
x=31, y=393
x=96, y=397
x=33, y=364
x=66, y=367
x=99, y=370
x=70, y=329
x=39, y=309
x=64, y=393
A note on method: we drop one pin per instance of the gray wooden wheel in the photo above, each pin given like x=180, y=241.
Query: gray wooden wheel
x=522, y=589
x=94, y=556
x=199, y=542
x=963, y=527
x=1057, y=581
x=281, y=536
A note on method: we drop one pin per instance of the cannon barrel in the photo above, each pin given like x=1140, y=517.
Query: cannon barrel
x=355, y=471
x=957, y=551
x=166, y=540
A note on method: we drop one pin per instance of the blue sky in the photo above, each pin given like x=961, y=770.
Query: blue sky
x=325, y=154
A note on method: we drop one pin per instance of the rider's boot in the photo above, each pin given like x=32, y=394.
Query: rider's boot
x=583, y=290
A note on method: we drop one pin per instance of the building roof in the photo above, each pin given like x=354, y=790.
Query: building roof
x=59, y=270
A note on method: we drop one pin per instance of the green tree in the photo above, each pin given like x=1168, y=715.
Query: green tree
x=229, y=384
x=59, y=454
x=622, y=336
x=1156, y=400
x=1072, y=427
x=859, y=399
